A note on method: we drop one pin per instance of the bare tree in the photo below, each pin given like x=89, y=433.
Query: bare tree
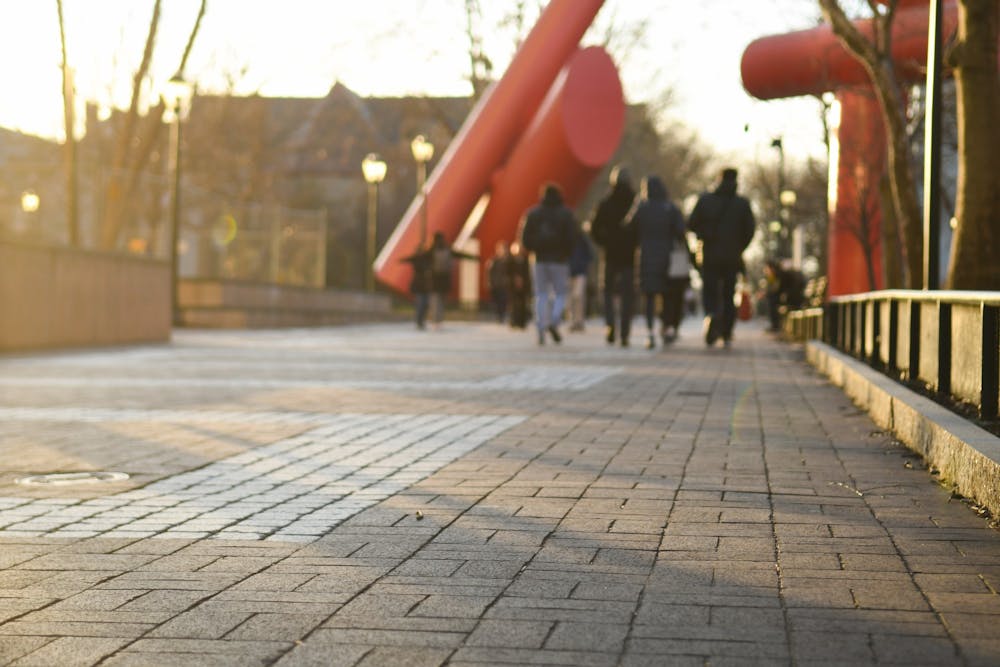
x=135, y=142
x=69, y=118
x=480, y=64
x=976, y=243
x=874, y=52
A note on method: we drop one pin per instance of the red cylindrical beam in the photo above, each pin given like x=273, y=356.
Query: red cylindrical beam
x=812, y=62
x=576, y=131
x=463, y=174
x=857, y=163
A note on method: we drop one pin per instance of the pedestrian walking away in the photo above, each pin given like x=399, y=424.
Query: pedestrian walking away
x=609, y=231
x=519, y=284
x=497, y=281
x=442, y=258
x=724, y=223
x=548, y=233
x=579, y=268
x=658, y=225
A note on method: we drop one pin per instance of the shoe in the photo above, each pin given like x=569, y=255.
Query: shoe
x=651, y=343
x=541, y=337
x=669, y=335
x=609, y=335
x=624, y=342
x=556, y=338
x=711, y=335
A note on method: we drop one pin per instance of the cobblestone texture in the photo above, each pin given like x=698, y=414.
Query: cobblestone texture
x=381, y=496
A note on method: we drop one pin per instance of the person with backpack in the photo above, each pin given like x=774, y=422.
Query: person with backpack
x=549, y=233
x=658, y=225
x=618, y=240
x=724, y=222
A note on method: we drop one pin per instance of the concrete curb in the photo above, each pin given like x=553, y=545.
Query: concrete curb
x=966, y=455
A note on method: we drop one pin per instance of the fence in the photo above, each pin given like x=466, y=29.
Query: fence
x=947, y=340
x=263, y=244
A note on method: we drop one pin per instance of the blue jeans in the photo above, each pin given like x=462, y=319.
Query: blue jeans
x=551, y=281
x=717, y=297
x=619, y=281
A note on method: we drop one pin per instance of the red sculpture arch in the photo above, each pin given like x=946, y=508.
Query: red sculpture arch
x=811, y=62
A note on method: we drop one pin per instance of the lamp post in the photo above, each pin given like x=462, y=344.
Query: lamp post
x=788, y=199
x=30, y=202
x=373, y=168
x=423, y=151
x=176, y=99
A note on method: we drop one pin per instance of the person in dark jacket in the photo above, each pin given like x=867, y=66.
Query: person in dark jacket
x=518, y=285
x=420, y=283
x=725, y=224
x=548, y=233
x=609, y=231
x=442, y=258
x=658, y=225
x=496, y=279
x=579, y=268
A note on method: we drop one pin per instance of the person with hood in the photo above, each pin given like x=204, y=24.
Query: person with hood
x=658, y=224
x=548, y=233
x=609, y=231
x=724, y=222
x=579, y=268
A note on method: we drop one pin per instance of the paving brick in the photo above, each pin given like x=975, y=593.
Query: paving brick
x=71, y=651
x=578, y=506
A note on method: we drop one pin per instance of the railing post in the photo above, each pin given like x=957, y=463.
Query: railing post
x=944, y=348
x=990, y=392
x=891, y=363
x=876, y=358
x=914, y=371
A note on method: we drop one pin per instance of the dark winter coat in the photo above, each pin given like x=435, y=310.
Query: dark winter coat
x=658, y=224
x=608, y=226
x=420, y=282
x=549, y=230
x=724, y=222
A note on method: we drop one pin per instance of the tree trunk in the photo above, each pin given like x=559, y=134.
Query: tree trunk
x=69, y=118
x=874, y=52
x=976, y=244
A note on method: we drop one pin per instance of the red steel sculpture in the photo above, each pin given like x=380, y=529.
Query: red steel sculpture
x=811, y=62
x=556, y=115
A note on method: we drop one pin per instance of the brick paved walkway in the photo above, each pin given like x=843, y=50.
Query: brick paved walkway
x=379, y=496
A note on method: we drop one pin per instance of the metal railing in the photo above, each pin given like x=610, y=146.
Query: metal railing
x=947, y=340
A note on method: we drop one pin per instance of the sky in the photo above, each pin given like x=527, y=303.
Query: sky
x=300, y=48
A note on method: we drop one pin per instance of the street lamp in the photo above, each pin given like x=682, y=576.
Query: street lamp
x=788, y=198
x=423, y=151
x=373, y=167
x=176, y=100
x=30, y=201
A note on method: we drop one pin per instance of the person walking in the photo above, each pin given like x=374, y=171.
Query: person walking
x=678, y=280
x=420, y=283
x=724, y=222
x=497, y=282
x=442, y=258
x=579, y=268
x=618, y=241
x=658, y=224
x=519, y=283
x=548, y=233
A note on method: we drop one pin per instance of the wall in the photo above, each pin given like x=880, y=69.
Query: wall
x=58, y=297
